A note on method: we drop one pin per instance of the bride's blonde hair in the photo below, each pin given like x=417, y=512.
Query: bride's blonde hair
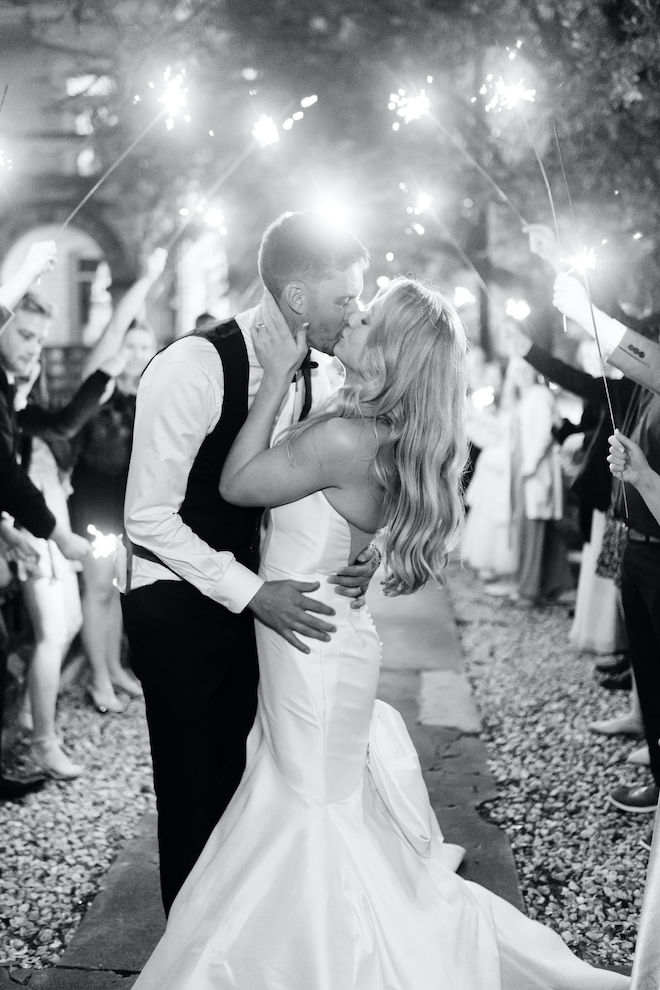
x=412, y=377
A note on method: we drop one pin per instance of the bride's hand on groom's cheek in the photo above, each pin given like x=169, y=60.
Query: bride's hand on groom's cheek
x=353, y=581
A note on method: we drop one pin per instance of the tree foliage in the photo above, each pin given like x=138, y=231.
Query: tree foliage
x=595, y=65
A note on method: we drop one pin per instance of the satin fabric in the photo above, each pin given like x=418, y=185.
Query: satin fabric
x=328, y=870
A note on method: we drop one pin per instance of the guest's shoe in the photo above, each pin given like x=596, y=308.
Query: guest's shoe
x=104, y=701
x=622, y=725
x=48, y=755
x=639, y=757
x=618, y=682
x=639, y=798
x=12, y=789
x=617, y=665
x=501, y=589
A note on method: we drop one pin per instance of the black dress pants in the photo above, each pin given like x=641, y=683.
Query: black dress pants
x=198, y=666
x=4, y=654
x=640, y=594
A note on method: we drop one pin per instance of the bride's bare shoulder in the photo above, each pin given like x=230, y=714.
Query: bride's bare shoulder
x=344, y=436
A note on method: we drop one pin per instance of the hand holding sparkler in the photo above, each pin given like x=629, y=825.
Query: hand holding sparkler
x=156, y=264
x=570, y=298
x=543, y=242
x=73, y=547
x=627, y=460
x=41, y=258
x=628, y=463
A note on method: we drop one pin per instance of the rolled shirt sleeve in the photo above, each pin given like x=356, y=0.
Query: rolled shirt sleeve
x=179, y=403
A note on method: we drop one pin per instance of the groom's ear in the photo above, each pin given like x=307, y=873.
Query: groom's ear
x=294, y=297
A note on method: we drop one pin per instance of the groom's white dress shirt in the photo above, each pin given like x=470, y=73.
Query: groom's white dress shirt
x=179, y=403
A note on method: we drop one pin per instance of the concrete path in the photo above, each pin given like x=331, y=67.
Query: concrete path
x=423, y=677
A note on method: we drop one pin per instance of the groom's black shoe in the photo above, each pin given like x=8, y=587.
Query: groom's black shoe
x=618, y=682
x=12, y=789
x=618, y=665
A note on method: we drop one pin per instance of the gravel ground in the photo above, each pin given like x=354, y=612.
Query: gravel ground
x=580, y=862
x=57, y=844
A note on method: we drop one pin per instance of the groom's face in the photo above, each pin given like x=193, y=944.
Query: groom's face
x=329, y=303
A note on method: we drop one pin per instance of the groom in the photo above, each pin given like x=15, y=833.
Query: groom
x=192, y=591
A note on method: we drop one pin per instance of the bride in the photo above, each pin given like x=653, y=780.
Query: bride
x=328, y=870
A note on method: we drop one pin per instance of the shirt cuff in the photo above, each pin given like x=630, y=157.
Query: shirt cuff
x=610, y=333
x=237, y=587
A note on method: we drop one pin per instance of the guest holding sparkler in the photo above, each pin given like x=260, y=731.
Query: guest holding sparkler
x=20, y=343
x=639, y=358
x=99, y=484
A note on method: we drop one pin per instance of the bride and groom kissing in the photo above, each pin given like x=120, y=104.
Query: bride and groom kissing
x=298, y=847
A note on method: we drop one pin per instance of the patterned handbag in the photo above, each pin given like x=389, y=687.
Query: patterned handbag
x=610, y=558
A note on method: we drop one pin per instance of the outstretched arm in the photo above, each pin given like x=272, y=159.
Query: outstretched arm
x=41, y=258
x=125, y=312
x=635, y=355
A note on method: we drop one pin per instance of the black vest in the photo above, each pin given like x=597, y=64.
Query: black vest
x=221, y=525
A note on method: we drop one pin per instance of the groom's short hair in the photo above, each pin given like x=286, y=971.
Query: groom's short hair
x=305, y=245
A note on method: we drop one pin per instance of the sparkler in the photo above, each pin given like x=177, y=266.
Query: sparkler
x=265, y=131
x=585, y=277
x=505, y=95
x=207, y=195
x=517, y=309
x=6, y=164
x=104, y=545
x=582, y=261
x=173, y=100
x=408, y=107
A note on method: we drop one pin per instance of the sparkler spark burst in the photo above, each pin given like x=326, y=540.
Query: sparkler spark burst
x=517, y=309
x=463, y=297
x=584, y=260
x=265, y=131
x=175, y=95
x=483, y=397
x=409, y=107
x=103, y=544
x=505, y=95
x=6, y=164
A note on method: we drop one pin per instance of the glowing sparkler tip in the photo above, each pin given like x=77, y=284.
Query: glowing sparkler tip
x=583, y=261
x=423, y=202
x=517, y=309
x=6, y=164
x=409, y=107
x=265, y=131
x=104, y=544
x=463, y=297
x=505, y=95
x=175, y=95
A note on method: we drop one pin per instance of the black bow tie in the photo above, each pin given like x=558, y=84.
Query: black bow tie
x=306, y=369
x=307, y=362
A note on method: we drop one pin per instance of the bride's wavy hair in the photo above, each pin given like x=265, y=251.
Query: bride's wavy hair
x=412, y=377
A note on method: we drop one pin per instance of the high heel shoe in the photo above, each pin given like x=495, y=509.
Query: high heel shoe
x=130, y=686
x=47, y=754
x=104, y=703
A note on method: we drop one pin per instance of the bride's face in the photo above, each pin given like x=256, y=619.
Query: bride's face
x=351, y=344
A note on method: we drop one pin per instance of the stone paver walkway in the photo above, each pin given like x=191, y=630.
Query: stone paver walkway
x=423, y=677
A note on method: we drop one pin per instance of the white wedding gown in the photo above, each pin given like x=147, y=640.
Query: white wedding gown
x=328, y=870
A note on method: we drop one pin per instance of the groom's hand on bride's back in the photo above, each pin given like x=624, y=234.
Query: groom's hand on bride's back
x=283, y=606
x=353, y=581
